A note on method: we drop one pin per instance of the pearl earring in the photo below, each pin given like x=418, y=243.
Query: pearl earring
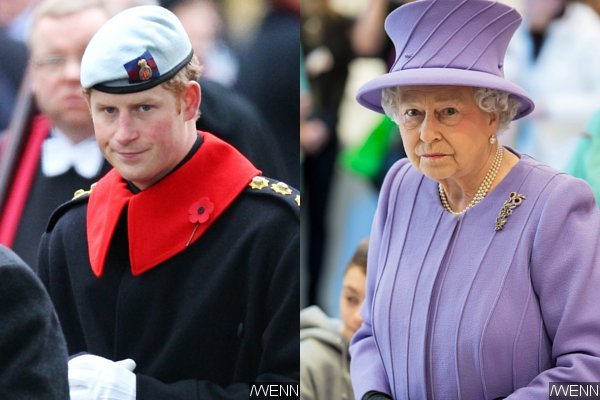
x=493, y=140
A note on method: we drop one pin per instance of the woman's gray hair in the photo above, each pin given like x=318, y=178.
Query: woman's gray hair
x=488, y=100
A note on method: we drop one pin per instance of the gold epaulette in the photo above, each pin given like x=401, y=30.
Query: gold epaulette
x=81, y=192
x=260, y=183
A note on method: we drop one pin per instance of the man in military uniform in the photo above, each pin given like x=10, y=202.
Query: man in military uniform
x=177, y=273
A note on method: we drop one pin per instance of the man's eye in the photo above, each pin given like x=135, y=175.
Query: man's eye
x=110, y=110
x=145, y=107
x=411, y=113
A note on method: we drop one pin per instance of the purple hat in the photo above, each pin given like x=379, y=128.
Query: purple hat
x=449, y=42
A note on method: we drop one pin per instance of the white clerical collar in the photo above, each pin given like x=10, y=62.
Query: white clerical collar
x=59, y=154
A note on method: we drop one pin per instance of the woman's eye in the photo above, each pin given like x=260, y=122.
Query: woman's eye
x=411, y=113
x=450, y=111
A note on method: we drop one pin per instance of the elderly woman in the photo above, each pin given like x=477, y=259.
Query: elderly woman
x=484, y=266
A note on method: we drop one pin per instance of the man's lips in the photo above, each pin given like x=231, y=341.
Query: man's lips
x=129, y=154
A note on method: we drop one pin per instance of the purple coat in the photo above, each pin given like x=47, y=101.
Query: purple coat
x=457, y=310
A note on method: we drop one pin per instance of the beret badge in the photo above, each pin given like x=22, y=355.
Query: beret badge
x=145, y=71
x=142, y=68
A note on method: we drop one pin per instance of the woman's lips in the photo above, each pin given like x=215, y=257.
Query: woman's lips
x=433, y=156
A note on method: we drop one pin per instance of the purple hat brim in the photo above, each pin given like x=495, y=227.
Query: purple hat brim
x=369, y=95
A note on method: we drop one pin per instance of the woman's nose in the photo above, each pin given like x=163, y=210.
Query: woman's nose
x=429, y=129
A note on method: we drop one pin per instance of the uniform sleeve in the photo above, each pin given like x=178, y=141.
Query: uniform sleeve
x=565, y=272
x=366, y=367
x=280, y=342
x=33, y=353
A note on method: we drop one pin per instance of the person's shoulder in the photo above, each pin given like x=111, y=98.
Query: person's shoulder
x=539, y=172
x=79, y=200
x=313, y=316
x=9, y=259
x=274, y=194
x=555, y=187
x=565, y=189
x=15, y=273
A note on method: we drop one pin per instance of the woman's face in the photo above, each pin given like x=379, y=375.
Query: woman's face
x=445, y=133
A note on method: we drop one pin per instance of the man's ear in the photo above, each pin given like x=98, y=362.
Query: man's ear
x=192, y=96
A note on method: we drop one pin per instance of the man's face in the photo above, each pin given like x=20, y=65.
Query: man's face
x=57, y=45
x=144, y=135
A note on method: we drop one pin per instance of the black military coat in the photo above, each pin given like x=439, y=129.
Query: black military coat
x=203, y=324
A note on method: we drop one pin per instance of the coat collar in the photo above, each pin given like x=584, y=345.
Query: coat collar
x=170, y=215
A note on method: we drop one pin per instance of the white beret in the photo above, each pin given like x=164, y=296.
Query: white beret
x=135, y=50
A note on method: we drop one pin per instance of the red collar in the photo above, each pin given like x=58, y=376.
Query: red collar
x=168, y=216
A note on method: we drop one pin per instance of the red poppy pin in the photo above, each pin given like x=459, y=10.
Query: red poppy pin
x=199, y=212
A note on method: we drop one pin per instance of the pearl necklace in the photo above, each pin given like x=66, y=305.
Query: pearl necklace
x=483, y=188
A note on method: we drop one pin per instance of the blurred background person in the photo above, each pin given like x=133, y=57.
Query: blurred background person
x=15, y=18
x=268, y=77
x=203, y=21
x=327, y=51
x=337, y=37
x=585, y=161
x=13, y=63
x=60, y=153
x=554, y=56
x=324, y=341
x=248, y=130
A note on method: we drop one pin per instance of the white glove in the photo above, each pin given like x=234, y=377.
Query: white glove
x=96, y=378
